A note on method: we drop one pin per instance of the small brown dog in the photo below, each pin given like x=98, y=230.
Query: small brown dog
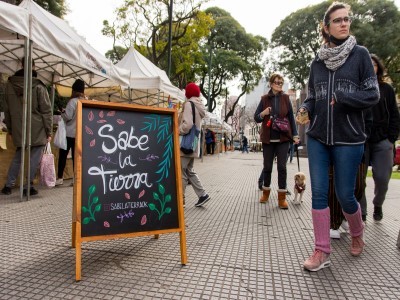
x=299, y=187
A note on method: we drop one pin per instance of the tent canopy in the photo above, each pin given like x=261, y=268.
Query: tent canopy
x=149, y=85
x=214, y=123
x=60, y=54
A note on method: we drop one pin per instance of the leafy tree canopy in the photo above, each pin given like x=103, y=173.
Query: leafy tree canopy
x=145, y=24
x=376, y=26
x=55, y=7
x=229, y=53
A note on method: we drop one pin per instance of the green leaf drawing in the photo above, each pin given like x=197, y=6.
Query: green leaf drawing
x=161, y=189
x=92, y=207
x=163, y=127
x=162, y=199
x=165, y=164
x=92, y=189
x=86, y=220
x=168, y=198
x=152, y=124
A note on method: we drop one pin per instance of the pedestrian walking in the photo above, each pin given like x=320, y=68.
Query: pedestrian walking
x=209, y=141
x=277, y=130
x=245, y=144
x=192, y=93
x=342, y=84
x=380, y=144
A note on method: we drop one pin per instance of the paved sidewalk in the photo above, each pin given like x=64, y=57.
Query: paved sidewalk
x=237, y=247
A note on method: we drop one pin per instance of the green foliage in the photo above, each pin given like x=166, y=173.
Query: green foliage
x=116, y=54
x=144, y=24
x=376, y=26
x=229, y=53
x=297, y=39
x=56, y=7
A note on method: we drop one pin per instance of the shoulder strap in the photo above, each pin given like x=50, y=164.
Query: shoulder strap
x=193, y=112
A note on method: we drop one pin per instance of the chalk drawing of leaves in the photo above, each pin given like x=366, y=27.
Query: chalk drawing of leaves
x=106, y=224
x=143, y=221
x=101, y=114
x=120, y=122
x=111, y=113
x=91, y=116
x=88, y=130
x=127, y=196
x=102, y=121
x=92, y=143
x=141, y=194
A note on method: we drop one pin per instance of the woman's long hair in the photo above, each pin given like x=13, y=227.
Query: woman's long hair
x=380, y=74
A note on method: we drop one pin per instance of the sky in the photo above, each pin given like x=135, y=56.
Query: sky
x=256, y=16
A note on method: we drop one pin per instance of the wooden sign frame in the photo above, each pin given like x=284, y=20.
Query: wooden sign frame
x=77, y=238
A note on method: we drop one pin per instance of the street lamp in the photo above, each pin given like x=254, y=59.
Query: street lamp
x=209, y=77
x=170, y=37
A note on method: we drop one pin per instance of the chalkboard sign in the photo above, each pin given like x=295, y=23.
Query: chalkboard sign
x=128, y=171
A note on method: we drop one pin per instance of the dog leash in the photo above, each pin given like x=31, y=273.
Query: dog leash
x=295, y=145
x=298, y=160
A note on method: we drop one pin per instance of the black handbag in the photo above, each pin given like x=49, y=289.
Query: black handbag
x=281, y=124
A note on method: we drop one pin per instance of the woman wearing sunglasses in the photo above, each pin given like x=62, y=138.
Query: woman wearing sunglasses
x=277, y=130
x=342, y=84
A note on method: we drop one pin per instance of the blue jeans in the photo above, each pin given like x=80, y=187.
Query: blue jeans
x=13, y=171
x=345, y=161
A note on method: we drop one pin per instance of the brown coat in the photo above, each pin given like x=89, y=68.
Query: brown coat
x=41, y=118
x=284, y=104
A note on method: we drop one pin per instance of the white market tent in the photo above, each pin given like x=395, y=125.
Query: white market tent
x=148, y=84
x=60, y=55
x=213, y=122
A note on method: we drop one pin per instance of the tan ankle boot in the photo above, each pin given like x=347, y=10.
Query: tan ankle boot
x=282, y=199
x=265, y=194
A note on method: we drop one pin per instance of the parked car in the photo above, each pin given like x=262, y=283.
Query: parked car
x=236, y=145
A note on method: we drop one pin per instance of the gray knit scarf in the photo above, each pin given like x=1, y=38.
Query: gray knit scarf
x=335, y=57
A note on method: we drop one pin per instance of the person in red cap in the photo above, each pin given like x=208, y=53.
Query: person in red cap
x=186, y=121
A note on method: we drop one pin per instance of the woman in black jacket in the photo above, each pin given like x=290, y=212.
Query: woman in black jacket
x=380, y=145
x=341, y=85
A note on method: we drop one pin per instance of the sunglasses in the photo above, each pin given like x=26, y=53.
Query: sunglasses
x=278, y=82
x=339, y=21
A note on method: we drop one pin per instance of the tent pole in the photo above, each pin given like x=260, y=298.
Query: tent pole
x=53, y=95
x=24, y=116
x=29, y=124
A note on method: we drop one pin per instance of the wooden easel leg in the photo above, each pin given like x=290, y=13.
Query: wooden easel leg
x=182, y=236
x=73, y=234
x=78, y=266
